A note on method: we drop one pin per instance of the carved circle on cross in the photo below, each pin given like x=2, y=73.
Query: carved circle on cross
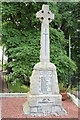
x=42, y=18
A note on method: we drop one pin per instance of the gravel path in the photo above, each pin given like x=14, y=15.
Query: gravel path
x=13, y=108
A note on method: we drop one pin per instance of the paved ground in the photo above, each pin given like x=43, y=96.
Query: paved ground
x=13, y=108
x=0, y=109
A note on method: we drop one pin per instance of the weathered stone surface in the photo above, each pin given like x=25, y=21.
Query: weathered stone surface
x=35, y=100
x=40, y=105
x=44, y=98
x=45, y=77
x=45, y=16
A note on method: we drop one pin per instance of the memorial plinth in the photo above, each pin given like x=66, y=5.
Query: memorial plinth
x=44, y=98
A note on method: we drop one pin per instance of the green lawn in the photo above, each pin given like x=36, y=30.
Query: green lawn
x=17, y=88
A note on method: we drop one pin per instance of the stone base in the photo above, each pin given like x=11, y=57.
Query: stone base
x=44, y=105
x=44, y=79
x=44, y=98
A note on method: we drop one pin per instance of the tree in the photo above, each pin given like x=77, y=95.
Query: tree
x=70, y=16
x=21, y=35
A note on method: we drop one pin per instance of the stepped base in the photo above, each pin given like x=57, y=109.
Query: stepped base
x=44, y=105
x=44, y=98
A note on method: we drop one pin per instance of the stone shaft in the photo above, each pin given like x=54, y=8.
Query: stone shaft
x=44, y=52
x=45, y=17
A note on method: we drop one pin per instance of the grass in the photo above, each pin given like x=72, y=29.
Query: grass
x=17, y=88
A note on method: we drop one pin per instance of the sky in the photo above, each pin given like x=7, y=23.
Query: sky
x=0, y=53
x=5, y=58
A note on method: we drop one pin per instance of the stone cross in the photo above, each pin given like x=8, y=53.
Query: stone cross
x=44, y=98
x=45, y=16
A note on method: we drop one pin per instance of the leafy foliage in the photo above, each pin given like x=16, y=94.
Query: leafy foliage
x=70, y=16
x=21, y=35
